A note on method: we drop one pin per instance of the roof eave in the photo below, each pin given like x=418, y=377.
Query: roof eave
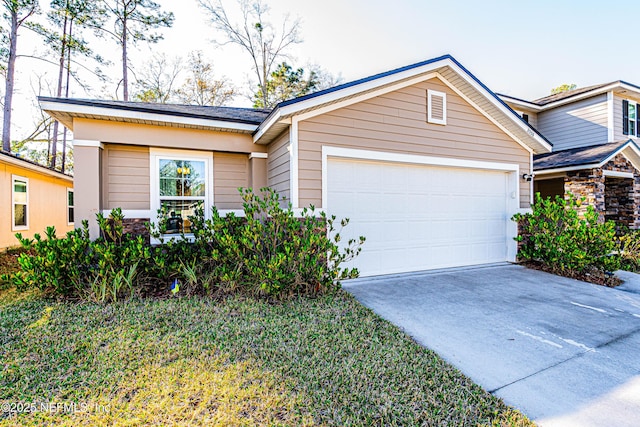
x=34, y=167
x=525, y=133
x=65, y=112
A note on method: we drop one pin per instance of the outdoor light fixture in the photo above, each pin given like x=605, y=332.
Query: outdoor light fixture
x=184, y=171
x=528, y=177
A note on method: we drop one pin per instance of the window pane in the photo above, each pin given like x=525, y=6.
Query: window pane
x=19, y=186
x=71, y=215
x=168, y=168
x=20, y=218
x=182, y=178
x=632, y=111
x=178, y=214
x=632, y=127
x=70, y=198
x=170, y=187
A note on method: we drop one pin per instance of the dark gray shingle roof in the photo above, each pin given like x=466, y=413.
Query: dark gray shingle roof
x=594, y=154
x=252, y=116
x=568, y=94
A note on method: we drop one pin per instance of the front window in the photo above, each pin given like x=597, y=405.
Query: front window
x=20, y=196
x=182, y=186
x=70, y=207
x=630, y=117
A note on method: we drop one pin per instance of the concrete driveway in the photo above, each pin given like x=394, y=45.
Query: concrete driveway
x=564, y=352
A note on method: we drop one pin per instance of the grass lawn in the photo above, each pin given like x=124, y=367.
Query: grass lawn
x=193, y=361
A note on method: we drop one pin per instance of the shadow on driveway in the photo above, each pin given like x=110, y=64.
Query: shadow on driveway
x=562, y=351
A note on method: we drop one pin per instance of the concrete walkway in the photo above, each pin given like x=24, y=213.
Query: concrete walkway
x=564, y=352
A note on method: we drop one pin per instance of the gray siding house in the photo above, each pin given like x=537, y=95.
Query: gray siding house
x=595, y=132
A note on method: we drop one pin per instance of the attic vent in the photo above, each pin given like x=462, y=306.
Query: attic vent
x=436, y=107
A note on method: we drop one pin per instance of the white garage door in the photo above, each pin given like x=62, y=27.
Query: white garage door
x=418, y=217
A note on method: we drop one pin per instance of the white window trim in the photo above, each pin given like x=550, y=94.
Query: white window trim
x=430, y=118
x=155, y=155
x=74, y=205
x=635, y=120
x=15, y=178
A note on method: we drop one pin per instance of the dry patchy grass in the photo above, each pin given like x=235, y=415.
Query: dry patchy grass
x=192, y=361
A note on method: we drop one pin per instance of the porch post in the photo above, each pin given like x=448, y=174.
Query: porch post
x=87, y=156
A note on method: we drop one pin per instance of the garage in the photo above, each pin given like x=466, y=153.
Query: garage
x=418, y=216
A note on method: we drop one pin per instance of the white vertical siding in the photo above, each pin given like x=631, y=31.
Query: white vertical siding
x=577, y=124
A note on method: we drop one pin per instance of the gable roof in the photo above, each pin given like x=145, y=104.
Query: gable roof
x=200, y=117
x=265, y=125
x=16, y=160
x=558, y=99
x=450, y=71
x=590, y=157
x=568, y=94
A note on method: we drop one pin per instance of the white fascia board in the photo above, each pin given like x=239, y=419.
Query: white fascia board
x=139, y=115
x=503, y=108
x=568, y=169
x=35, y=168
x=617, y=174
x=585, y=95
x=519, y=102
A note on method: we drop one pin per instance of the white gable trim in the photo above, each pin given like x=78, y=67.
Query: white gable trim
x=488, y=116
x=610, y=112
x=401, y=79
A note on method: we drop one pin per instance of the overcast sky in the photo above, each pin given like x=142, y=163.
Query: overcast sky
x=518, y=48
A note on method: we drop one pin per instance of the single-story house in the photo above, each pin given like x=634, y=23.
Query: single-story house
x=426, y=161
x=32, y=197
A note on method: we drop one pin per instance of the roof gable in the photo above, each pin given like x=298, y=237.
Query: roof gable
x=590, y=157
x=445, y=68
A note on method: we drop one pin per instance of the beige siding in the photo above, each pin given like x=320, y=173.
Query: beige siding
x=163, y=136
x=127, y=177
x=230, y=172
x=46, y=206
x=278, y=166
x=577, y=124
x=617, y=118
x=396, y=122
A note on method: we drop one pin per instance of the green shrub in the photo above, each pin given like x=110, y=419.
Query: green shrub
x=267, y=252
x=630, y=250
x=109, y=268
x=555, y=235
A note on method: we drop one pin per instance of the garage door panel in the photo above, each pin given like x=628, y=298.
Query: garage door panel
x=418, y=217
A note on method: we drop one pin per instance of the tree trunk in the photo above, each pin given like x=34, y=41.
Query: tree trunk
x=125, y=78
x=66, y=95
x=63, y=49
x=8, y=95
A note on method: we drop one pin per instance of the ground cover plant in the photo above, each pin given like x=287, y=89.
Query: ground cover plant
x=554, y=237
x=239, y=361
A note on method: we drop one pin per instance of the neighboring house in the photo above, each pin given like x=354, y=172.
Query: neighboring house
x=425, y=160
x=595, y=133
x=32, y=197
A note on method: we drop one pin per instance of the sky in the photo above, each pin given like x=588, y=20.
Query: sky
x=522, y=49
